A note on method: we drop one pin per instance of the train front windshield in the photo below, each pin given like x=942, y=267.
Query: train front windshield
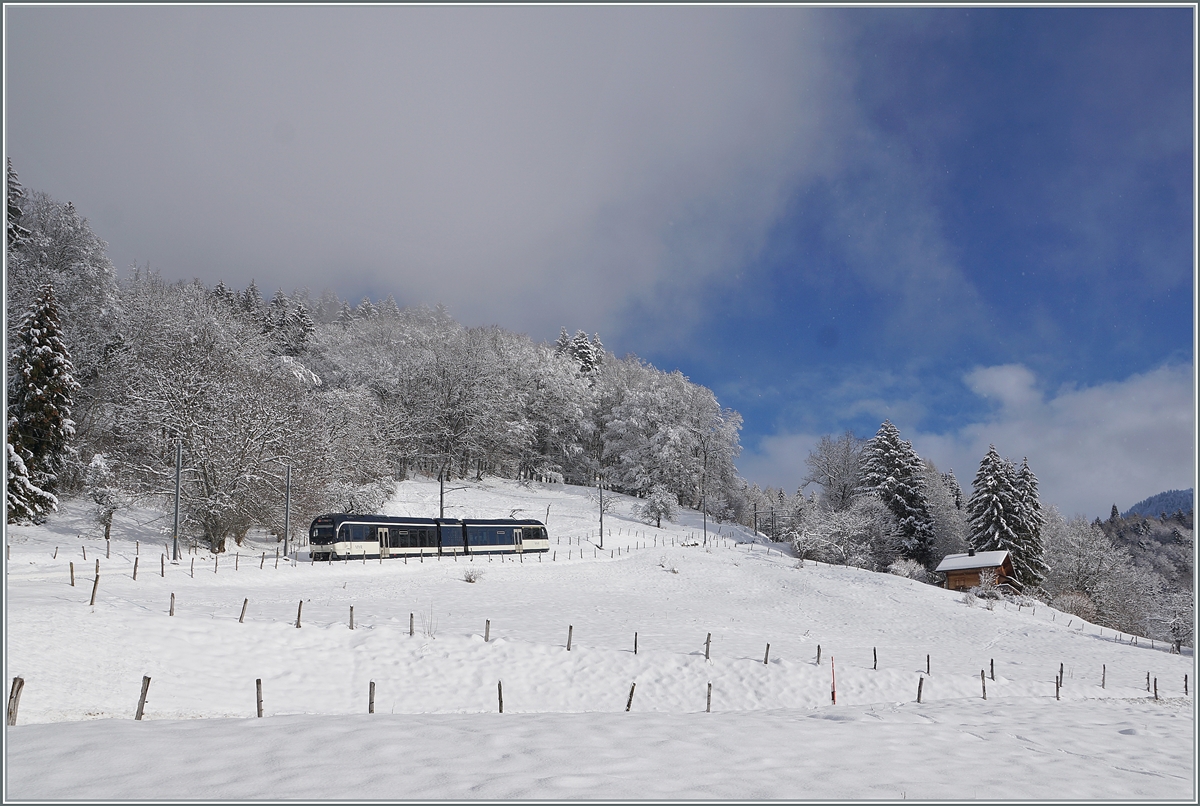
x=321, y=535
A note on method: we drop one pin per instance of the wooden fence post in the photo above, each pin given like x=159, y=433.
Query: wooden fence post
x=135, y=564
x=258, y=695
x=162, y=563
x=1103, y=674
x=72, y=575
x=192, y=572
x=352, y=617
x=767, y=654
x=142, y=699
x=242, y=618
x=629, y=702
x=708, y=705
x=818, y=654
x=927, y=666
x=96, y=584
x=832, y=681
x=1147, y=681
x=500, y=694
x=171, y=612
x=570, y=632
x=993, y=668
x=487, y=630
x=371, y=699
x=107, y=549
x=983, y=682
x=635, y=649
x=874, y=658
x=410, y=625
x=707, y=641
x=14, y=699
x=1156, y=688
x=262, y=561
x=299, y=607
x=920, y=685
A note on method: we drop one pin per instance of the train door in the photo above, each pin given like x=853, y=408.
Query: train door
x=382, y=533
x=517, y=539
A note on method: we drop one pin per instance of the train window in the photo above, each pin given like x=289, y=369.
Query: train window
x=358, y=532
x=394, y=538
x=344, y=533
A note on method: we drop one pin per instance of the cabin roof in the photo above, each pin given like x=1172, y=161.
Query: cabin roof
x=980, y=559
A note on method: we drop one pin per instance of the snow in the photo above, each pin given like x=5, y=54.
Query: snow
x=980, y=559
x=773, y=732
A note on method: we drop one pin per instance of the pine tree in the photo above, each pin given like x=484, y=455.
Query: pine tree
x=563, y=343
x=15, y=232
x=955, y=490
x=1028, y=563
x=252, y=300
x=994, y=509
x=893, y=470
x=24, y=501
x=42, y=389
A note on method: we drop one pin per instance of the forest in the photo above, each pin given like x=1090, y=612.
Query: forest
x=109, y=376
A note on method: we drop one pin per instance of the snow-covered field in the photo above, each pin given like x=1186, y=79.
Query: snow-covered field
x=564, y=733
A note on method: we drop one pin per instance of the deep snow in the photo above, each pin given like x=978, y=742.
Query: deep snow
x=564, y=733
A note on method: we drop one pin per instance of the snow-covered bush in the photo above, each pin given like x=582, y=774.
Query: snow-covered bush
x=910, y=569
x=1075, y=603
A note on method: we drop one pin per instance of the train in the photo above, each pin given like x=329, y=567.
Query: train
x=341, y=536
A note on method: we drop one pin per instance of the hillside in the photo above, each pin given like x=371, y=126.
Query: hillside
x=1163, y=504
x=1165, y=546
x=772, y=733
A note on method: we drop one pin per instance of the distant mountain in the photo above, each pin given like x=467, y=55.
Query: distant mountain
x=1168, y=503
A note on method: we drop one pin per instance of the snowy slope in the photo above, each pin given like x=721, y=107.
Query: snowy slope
x=772, y=733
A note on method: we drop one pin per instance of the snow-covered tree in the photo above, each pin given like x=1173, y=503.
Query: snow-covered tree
x=24, y=501
x=660, y=503
x=864, y=535
x=993, y=511
x=836, y=466
x=948, y=519
x=1032, y=571
x=42, y=388
x=14, y=231
x=101, y=486
x=892, y=470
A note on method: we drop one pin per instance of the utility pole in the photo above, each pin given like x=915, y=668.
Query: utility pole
x=756, y=519
x=287, y=512
x=442, y=492
x=600, y=478
x=175, y=531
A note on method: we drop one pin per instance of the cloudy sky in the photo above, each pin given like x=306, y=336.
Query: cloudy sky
x=976, y=222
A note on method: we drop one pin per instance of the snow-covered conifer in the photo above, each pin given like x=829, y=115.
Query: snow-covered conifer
x=24, y=501
x=42, y=388
x=893, y=470
x=994, y=509
x=1029, y=565
x=15, y=232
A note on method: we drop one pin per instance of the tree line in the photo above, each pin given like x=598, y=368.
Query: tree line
x=350, y=397
x=109, y=375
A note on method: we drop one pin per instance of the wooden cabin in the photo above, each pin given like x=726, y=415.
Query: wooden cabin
x=962, y=570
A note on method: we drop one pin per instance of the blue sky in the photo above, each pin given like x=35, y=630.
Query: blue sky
x=976, y=222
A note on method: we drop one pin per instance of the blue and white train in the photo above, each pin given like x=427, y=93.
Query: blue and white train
x=355, y=537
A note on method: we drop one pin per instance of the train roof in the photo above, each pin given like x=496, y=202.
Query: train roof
x=342, y=517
